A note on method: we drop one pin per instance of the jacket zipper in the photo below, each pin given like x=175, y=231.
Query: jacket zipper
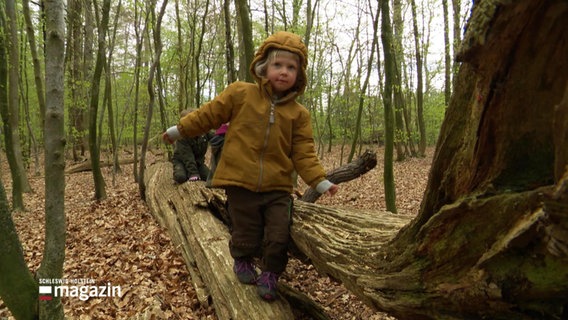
x=261, y=160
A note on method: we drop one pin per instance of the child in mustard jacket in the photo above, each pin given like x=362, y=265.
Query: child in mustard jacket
x=269, y=138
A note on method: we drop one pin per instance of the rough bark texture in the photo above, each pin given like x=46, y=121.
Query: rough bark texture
x=483, y=244
x=561, y=137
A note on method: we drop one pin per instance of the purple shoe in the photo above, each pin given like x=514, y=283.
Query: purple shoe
x=244, y=269
x=266, y=285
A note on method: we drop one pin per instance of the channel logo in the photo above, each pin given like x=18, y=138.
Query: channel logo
x=45, y=293
x=82, y=289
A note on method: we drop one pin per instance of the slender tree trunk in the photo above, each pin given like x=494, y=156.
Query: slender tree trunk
x=419, y=83
x=363, y=92
x=87, y=74
x=38, y=76
x=75, y=78
x=55, y=225
x=191, y=81
x=182, y=65
x=32, y=140
x=310, y=12
x=197, y=56
x=456, y=8
x=245, y=24
x=108, y=89
x=388, y=171
x=400, y=138
x=150, y=86
x=447, y=56
x=346, y=94
x=100, y=192
x=230, y=50
x=161, y=102
x=328, y=122
x=10, y=116
x=138, y=65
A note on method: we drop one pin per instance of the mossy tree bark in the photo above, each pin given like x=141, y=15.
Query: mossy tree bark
x=491, y=237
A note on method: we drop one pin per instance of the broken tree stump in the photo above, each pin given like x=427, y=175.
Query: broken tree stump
x=348, y=172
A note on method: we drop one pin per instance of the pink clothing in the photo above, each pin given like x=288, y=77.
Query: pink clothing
x=222, y=129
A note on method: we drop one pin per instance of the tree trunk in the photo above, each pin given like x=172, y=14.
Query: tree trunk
x=137, y=66
x=400, y=136
x=38, y=76
x=447, y=56
x=182, y=64
x=108, y=93
x=229, y=48
x=419, y=82
x=150, y=86
x=55, y=226
x=86, y=166
x=456, y=8
x=75, y=77
x=561, y=137
x=386, y=36
x=488, y=240
x=10, y=114
x=18, y=288
x=197, y=56
x=99, y=182
x=245, y=30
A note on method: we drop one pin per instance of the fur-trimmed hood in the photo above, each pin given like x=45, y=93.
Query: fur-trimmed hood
x=286, y=41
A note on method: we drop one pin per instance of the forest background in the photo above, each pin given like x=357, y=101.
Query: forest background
x=124, y=57
x=130, y=67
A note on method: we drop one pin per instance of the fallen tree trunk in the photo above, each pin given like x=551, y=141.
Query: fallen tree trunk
x=324, y=234
x=203, y=242
x=87, y=165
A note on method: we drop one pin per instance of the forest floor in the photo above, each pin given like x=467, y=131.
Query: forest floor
x=117, y=242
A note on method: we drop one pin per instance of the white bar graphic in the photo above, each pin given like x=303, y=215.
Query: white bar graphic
x=45, y=289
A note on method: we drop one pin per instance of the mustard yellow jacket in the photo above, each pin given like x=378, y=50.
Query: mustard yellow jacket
x=267, y=138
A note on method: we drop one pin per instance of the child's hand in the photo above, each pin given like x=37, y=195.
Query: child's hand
x=171, y=135
x=332, y=190
x=166, y=138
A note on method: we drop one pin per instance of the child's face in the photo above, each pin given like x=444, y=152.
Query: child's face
x=281, y=72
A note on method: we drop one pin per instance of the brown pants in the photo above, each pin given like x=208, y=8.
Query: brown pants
x=260, y=224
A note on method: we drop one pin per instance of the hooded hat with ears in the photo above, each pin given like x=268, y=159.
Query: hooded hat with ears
x=285, y=41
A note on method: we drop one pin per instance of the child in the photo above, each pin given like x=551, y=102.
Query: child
x=216, y=143
x=189, y=157
x=270, y=136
